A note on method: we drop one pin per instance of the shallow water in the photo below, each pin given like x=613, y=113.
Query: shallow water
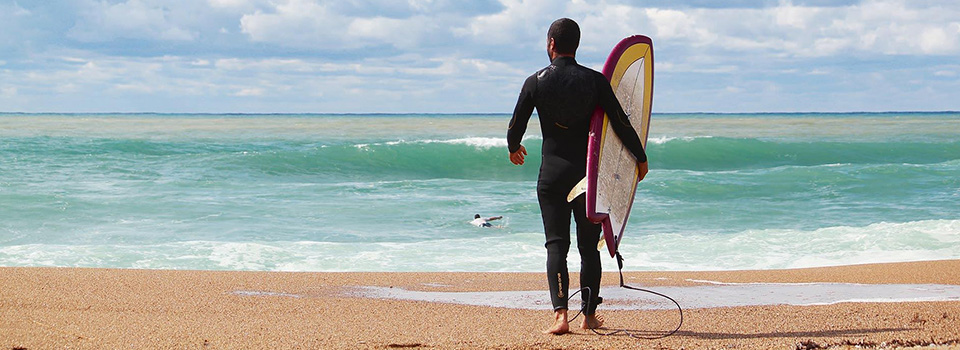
x=696, y=297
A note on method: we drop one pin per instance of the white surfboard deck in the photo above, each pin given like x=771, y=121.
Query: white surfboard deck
x=611, y=182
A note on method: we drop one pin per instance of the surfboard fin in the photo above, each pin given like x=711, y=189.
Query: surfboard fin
x=578, y=189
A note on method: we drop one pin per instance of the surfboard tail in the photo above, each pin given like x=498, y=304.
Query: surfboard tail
x=610, y=237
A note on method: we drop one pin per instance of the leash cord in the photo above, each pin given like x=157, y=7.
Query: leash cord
x=623, y=330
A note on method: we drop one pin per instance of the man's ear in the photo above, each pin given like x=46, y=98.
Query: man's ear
x=551, y=49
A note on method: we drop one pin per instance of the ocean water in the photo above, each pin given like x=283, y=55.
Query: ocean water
x=396, y=192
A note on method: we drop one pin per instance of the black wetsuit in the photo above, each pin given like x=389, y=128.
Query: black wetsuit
x=565, y=95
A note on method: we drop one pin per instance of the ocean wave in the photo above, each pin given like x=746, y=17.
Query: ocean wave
x=659, y=140
x=723, y=153
x=479, y=153
x=511, y=253
x=793, y=248
x=466, y=158
x=478, y=142
x=523, y=252
x=458, y=158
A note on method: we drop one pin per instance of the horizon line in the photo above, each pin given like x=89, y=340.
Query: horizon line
x=452, y=113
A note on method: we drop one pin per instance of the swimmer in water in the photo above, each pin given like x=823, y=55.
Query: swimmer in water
x=481, y=222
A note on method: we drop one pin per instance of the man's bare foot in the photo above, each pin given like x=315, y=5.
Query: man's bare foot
x=591, y=322
x=560, y=323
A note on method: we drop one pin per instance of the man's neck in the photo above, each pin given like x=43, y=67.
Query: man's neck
x=556, y=55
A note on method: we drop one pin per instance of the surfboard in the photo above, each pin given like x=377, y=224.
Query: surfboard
x=611, y=182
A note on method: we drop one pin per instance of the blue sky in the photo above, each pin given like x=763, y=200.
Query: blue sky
x=440, y=56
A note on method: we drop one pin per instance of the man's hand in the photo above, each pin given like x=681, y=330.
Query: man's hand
x=517, y=157
x=642, y=171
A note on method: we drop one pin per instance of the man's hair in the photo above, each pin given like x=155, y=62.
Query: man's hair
x=476, y=216
x=566, y=36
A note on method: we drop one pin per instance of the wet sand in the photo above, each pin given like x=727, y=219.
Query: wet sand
x=47, y=308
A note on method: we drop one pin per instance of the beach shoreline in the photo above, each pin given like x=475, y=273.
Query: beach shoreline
x=42, y=308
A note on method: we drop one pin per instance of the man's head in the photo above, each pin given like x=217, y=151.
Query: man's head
x=564, y=34
x=476, y=216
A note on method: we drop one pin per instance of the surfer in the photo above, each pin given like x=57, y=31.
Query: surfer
x=565, y=95
x=481, y=222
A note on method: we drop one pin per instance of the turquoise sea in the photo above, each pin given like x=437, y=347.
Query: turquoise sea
x=396, y=192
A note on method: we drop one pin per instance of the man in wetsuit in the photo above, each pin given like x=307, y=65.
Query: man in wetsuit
x=565, y=95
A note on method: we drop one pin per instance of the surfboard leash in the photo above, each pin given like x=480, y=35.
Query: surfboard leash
x=624, y=330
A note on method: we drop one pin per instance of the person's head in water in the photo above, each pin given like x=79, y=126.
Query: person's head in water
x=476, y=216
x=563, y=38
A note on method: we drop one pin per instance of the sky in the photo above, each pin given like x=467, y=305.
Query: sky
x=444, y=56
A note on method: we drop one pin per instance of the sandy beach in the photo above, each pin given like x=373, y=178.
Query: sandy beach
x=54, y=308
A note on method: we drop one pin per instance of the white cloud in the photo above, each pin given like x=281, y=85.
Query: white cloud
x=135, y=88
x=788, y=15
x=315, y=25
x=893, y=27
x=133, y=19
x=402, y=33
x=406, y=67
x=8, y=91
x=309, y=55
x=276, y=65
x=818, y=71
x=938, y=40
x=675, y=24
x=235, y=4
x=874, y=26
x=784, y=30
x=20, y=11
x=72, y=59
x=81, y=73
x=250, y=92
x=285, y=84
x=945, y=73
x=299, y=23
x=516, y=24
